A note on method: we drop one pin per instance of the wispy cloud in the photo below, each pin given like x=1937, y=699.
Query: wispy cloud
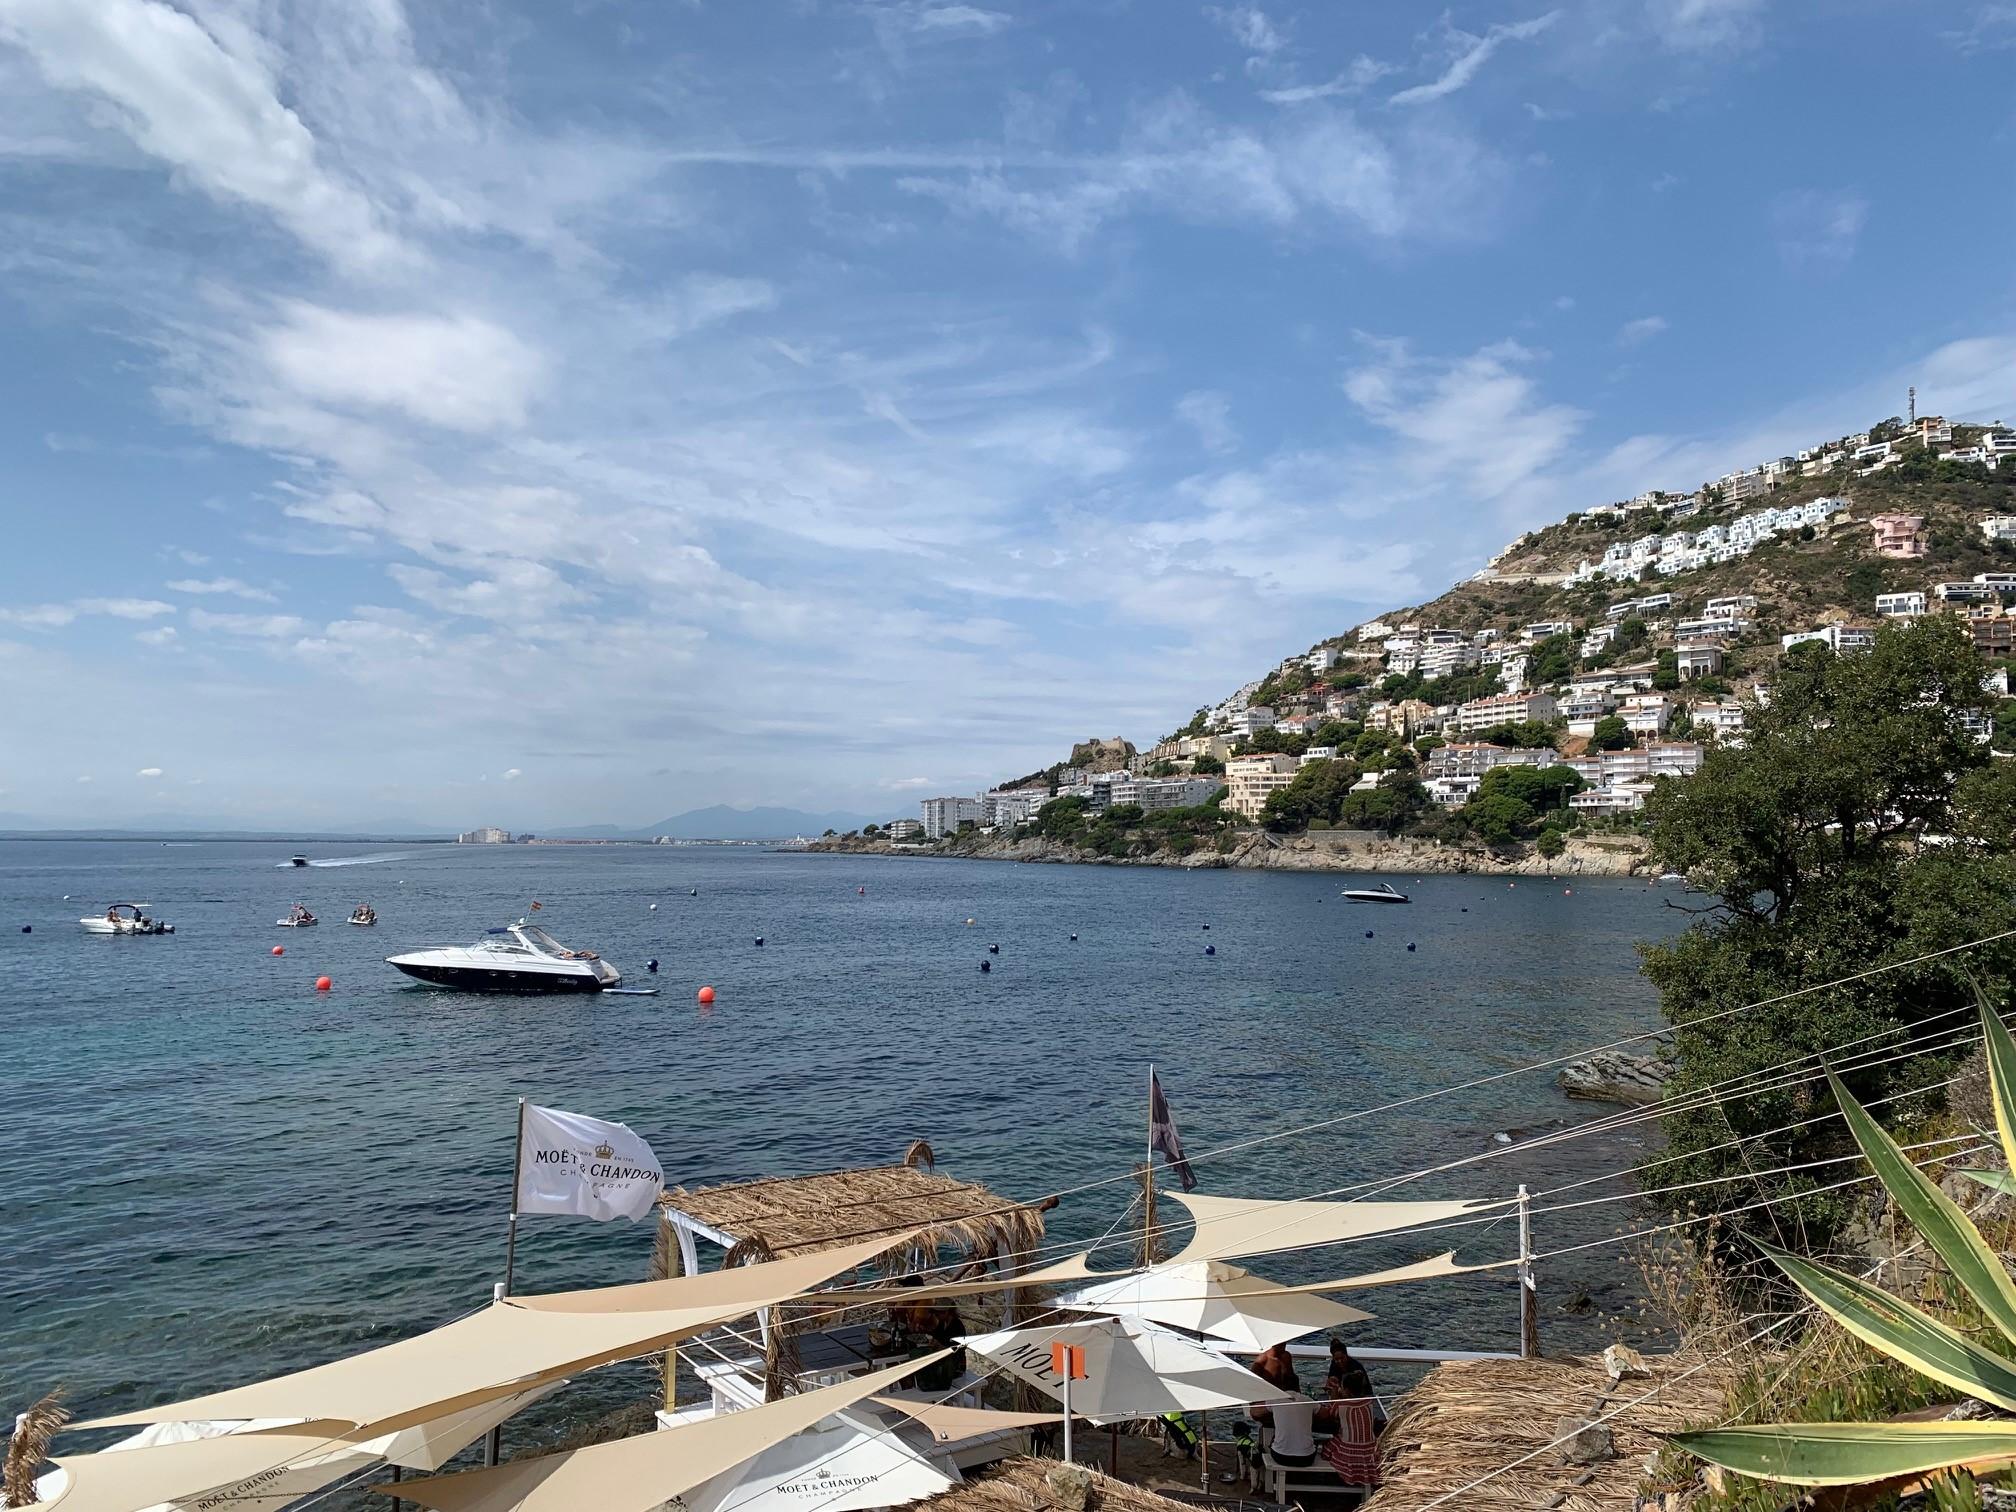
x=257, y=626
x=1818, y=227
x=55, y=616
x=1989, y=28
x=1359, y=76
x=1472, y=52
x=148, y=772
x=1637, y=332
x=1706, y=25
x=234, y=587
x=1251, y=28
x=1209, y=414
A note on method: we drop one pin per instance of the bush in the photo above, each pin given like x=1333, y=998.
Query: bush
x=1550, y=843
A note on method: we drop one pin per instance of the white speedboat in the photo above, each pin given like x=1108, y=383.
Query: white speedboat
x=521, y=957
x=363, y=916
x=125, y=919
x=297, y=918
x=1385, y=892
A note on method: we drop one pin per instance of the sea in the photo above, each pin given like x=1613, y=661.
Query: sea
x=213, y=1172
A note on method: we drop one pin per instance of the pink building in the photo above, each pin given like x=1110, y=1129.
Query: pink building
x=1899, y=535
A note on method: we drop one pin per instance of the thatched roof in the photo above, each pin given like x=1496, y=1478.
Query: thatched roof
x=793, y=1214
x=1016, y=1485
x=1468, y=1418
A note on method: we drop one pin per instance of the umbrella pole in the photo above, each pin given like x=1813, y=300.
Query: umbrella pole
x=1113, y=1458
x=397, y=1505
x=1203, y=1452
x=1067, y=1415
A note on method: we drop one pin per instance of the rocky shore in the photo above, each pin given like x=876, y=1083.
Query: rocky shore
x=1320, y=850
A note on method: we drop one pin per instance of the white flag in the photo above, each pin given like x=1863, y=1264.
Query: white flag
x=570, y=1163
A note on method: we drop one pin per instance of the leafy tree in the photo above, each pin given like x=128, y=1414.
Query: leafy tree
x=1667, y=674
x=1802, y=839
x=1611, y=734
x=1552, y=661
x=829, y=834
x=1532, y=735
x=1335, y=734
x=1630, y=636
x=871, y=829
x=1315, y=796
x=1207, y=765
x=1391, y=806
x=1498, y=818
x=1550, y=843
x=1540, y=788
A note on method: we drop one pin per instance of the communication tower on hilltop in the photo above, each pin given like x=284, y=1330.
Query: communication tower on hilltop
x=1912, y=404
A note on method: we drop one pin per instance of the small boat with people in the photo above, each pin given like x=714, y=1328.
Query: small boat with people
x=125, y=919
x=519, y=957
x=364, y=916
x=1385, y=892
x=297, y=860
x=298, y=917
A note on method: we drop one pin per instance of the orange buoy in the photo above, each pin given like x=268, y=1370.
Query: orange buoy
x=279, y=950
x=705, y=994
x=323, y=984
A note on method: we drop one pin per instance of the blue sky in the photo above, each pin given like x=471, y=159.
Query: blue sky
x=543, y=412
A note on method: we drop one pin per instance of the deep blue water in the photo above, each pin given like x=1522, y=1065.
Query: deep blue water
x=214, y=1173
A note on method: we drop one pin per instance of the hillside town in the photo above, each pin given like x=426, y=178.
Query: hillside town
x=1615, y=693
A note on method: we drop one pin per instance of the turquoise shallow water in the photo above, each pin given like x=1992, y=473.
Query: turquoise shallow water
x=214, y=1173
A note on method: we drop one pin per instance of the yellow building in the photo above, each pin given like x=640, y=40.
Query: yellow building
x=1249, y=779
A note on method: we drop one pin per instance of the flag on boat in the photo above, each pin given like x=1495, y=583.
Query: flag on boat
x=571, y=1163
x=1162, y=1133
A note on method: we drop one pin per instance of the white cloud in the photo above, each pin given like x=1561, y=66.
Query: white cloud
x=1253, y=30
x=1706, y=25
x=1637, y=332
x=160, y=636
x=257, y=626
x=83, y=779
x=1471, y=54
x=1360, y=75
x=460, y=372
x=512, y=774
x=1990, y=28
x=148, y=772
x=1818, y=227
x=906, y=784
x=211, y=114
x=55, y=616
x=1209, y=413
x=226, y=585
x=953, y=19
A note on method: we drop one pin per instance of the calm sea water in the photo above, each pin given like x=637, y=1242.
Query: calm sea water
x=214, y=1173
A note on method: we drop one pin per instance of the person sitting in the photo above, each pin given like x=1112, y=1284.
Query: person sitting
x=1346, y=1380
x=924, y=1327
x=1292, y=1416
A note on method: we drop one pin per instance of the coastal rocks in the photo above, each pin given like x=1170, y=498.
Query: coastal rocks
x=1070, y=1486
x=1625, y=1364
x=1613, y=1076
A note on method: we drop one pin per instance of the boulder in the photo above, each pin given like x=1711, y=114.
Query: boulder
x=1584, y=1443
x=1613, y=1076
x=1068, y=1485
x=1625, y=1363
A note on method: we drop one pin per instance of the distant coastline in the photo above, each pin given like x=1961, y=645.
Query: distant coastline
x=1318, y=851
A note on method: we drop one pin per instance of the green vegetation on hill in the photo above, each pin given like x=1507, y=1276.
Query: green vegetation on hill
x=1858, y=826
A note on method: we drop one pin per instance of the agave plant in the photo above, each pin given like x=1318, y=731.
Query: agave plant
x=1841, y=1454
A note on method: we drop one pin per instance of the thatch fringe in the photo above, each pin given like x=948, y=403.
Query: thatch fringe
x=919, y=1157
x=1469, y=1418
x=29, y=1447
x=1017, y=1485
x=799, y=1213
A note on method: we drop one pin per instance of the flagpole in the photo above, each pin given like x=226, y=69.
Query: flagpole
x=493, y=1441
x=517, y=1172
x=1148, y=1180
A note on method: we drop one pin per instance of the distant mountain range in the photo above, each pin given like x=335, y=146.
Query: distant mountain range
x=721, y=822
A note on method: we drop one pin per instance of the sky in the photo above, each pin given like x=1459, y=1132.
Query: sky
x=536, y=412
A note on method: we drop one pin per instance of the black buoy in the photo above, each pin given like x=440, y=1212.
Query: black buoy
x=1074, y=937
x=1204, y=926
x=1210, y=950
x=759, y=939
x=692, y=892
x=30, y=929
x=652, y=965
x=1410, y=944
x=993, y=950
x=1466, y=910
x=986, y=965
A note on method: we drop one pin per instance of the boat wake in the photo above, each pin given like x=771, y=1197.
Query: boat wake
x=354, y=860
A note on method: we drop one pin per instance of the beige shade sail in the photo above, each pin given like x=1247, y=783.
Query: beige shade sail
x=233, y=1472
x=1240, y=1311
x=640, y=1473
x=1072, y=1268
x=1443, y=1264
x=509, y=1347
x=948, y=1424
x=1231, y=1227
x=851, y=1465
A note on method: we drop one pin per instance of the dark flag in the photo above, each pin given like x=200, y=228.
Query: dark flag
x=1162, y=1134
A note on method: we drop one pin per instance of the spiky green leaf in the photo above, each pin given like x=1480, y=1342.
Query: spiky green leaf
x=1902, y=1331
x=1974, y=1264
x=1846, y=1454
x=2001, y=1076
x=1996, y=1181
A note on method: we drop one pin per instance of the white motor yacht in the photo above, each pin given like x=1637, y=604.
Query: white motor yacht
x=1385, y=892
x=125, y=919
x=521, y=957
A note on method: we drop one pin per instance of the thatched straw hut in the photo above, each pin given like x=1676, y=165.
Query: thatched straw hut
x=962, y=1224
x=1020, y=1485
x=1469, y=1418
